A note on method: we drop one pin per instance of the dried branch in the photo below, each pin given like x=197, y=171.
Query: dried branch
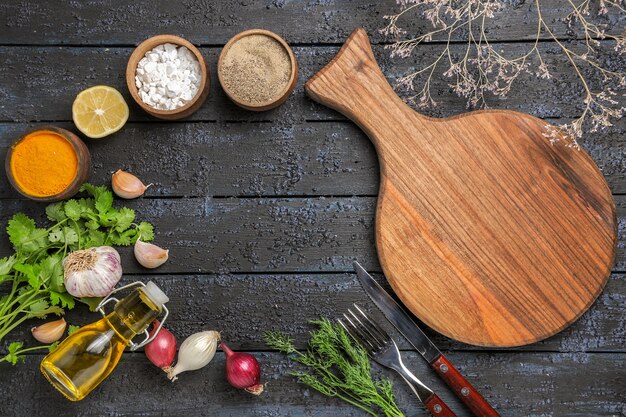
x=481, y=70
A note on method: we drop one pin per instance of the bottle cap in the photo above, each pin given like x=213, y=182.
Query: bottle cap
x=155, y=293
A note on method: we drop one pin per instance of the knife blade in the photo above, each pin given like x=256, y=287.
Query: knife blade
x=437, y=361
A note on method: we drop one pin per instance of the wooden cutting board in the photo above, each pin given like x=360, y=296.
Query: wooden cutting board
x=486, y=231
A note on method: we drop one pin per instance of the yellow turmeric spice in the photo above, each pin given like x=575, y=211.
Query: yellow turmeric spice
x=44, y=163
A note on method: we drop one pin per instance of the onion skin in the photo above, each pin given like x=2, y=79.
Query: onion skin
x=195, y=352
x=243, y=371
x=162, y=350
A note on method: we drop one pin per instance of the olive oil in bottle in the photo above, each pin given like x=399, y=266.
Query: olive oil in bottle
x=83, y=360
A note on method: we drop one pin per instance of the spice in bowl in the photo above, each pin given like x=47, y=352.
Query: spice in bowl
x=48, y=164
x=168, y=77
x=257, y=69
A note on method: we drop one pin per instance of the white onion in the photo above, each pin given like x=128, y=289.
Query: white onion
x=195, y=352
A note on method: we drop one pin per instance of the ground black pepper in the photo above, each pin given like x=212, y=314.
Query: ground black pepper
x=256, y=69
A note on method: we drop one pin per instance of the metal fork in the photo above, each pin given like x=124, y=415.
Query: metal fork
x=383, y=349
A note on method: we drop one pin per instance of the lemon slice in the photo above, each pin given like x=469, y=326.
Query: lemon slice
x=99, y=111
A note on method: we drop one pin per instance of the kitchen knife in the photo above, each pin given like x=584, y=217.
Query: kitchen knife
x=442, y=366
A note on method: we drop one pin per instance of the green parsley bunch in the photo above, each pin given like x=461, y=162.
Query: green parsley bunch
x=33, y=275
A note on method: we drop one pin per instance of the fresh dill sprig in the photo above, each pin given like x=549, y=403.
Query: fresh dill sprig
x=337, y=367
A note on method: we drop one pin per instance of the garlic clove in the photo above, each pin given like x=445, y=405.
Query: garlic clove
x=126, y=185
x=49, y=332
x=149, y=255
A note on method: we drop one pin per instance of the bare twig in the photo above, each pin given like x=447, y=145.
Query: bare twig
x=481, y=70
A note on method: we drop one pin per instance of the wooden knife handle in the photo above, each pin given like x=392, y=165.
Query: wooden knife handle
x=437, y=407
x=463, y=389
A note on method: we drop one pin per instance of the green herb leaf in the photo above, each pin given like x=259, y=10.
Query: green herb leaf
x=13, y=355
x=73, y=209
x=104, y=201
x=31, y=272
x=125, y=219
x=92, y=302
x=56, y=212
x=72, y=328
x=94, y=238
x=121, y=239
x=6, y=264
x=37, y=239
x=39, y=307
x=88, y=204
x=55, y=235
x=65, y=300
x=69, y=235
x=52, y=273
x=109, y=218
x=92, y=225
x=19, y=228
x=146, y=231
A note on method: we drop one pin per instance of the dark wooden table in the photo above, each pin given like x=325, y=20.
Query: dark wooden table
x=263, y=213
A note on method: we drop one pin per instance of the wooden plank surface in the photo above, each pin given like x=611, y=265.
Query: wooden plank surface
x=28, y=83
x=240, y=306
x=477, y=211
x=294, y=204
x=265, y=159
x=310, y=21
x=517, y=384
x=221, y=235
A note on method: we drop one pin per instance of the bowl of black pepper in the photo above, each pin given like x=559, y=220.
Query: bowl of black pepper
x=257, y=70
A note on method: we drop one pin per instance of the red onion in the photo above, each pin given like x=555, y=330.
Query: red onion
x=243, y=371
x=162, y=349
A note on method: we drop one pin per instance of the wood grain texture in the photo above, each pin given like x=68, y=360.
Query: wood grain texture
x=214, y=22
x=518, y=384
x=244, y=305
x=438, y=407
x=301, y=149
x=242, y=235
x=264, y=159
x=477, y=212
x=28, y=83
x=464, y=390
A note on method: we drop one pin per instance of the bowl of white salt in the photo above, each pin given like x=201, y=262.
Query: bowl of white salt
x=167, y=77
x=257, y=70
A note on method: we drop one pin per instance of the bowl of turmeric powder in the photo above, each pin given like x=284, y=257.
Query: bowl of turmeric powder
x=48, y=164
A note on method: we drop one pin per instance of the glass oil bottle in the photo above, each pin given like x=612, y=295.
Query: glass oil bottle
x=86, y=357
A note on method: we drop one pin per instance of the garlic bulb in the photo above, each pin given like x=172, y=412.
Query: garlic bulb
x=126, y=185
x=195, y=352
x=149, y=255
x=92, y=272
x=49, y=332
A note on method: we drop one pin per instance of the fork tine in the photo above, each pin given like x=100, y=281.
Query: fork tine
x=350, y=332
x=356, y=334
x=383, y=335
x=374, y=339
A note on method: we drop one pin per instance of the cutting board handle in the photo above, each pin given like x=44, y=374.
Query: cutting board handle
x=353, y=84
